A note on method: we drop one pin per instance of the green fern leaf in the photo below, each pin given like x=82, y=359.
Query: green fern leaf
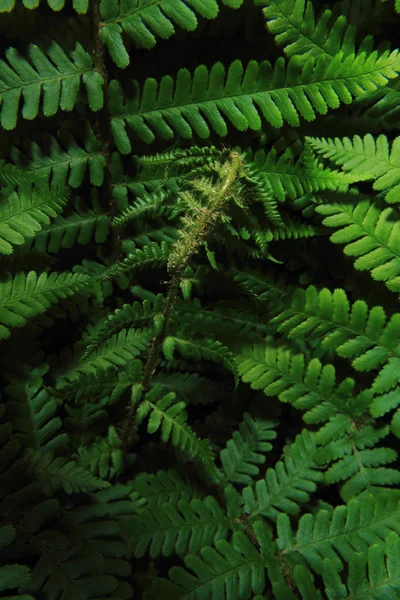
x=371, y=233
x=199, y=104
x=51, y=74
x=26, y=296
x=143, y=20
x=170, y=417
x=24, y=212
x=288, y=484
x=335, y=535
x=104, y=458
x=152, y=254
x=365, y=159
x=81, y=6
x=164, y=487
x=247, y=449
x=143, y=205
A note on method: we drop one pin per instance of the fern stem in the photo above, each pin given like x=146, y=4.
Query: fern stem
x=101, y=127
x=196, y=232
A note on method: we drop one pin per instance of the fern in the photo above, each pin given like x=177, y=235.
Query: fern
x=26, y=296
x=365, y=159
x=370, y=233
x=163, y=487
x=196, y=104
x=143, y=20
x=52, y=74
x=80, y=6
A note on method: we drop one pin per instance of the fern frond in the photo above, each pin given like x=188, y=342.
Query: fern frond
x=142, y=21
x=170, y=417
x=190, y=387
x=365, y=159
x=296, y=178
x=143, y=205
x=294, y=26
x=238, y=565
x=51, y=75
x=81, y=6
x=336, y=535
x=186, y=527
x=104, y=457
x=247, y=449
x=10, y=174
x=200, y=103
x=354, y=332
x=80, y=227
x=151, y=255
x=33, y=412
x=288, y=485
x=63, y=160
x=370, y=232
x=163, y=487
x=198, y=350
x=266, y=285
x=26, y=296
x=25, y=211
x=12, y=576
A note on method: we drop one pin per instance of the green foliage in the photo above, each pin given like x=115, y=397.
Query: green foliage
x=200, y=350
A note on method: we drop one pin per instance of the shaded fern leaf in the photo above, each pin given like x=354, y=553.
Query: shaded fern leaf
x=143, y=21
x=370, y=232
x=200, y=103
x=24, y=213
x=144, y=204
x=10, y=174
x=163, y=487
x=170, y=417
x=51, y=75
x=81, y=6
x=288, y=485
x=336, y=535
x=26, y=296
x=12, y=576
x=365, y=159
x=247, y=449
x=104, y=457
x=152, y=254
x=186, y=527
x=234, y=570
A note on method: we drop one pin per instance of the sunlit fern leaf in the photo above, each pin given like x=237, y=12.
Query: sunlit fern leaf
x=164, y=487
x=186, y=527
x=201, y=103
x=288, y=484
x=295, y=27
x=369, y=231
x=365, y=159
x=63, y=160
x=143, y=21
x=234, y=570
x=51, y=75
x=25, y=211
x=336, y=535
x=168, y=416
x=28, y=295
x=33, y=411
x=291, y=178
x=81, y=6
x=353, y=331
x=246, y=450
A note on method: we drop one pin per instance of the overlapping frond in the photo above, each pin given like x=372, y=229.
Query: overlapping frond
x=50, y=75
x=24, y=212
x=295, y=27
x=143, y=21
x=207, y=100
x=287, y=485
x=353, y=331
x=152, y=254
x=370, y=232
x=103, y=458
x=163, y=487
x=247, y=449
x=186, y=527
x=143, y=205
x=365, y=159
x=169, y=416
x=338, y=534
x=25, y=296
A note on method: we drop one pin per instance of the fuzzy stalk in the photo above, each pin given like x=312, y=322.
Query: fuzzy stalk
x=196, y=231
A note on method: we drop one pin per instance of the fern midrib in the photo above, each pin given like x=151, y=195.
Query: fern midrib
x=134, y=11
x=83, y=156
x=301, y=86
x=42, y=80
